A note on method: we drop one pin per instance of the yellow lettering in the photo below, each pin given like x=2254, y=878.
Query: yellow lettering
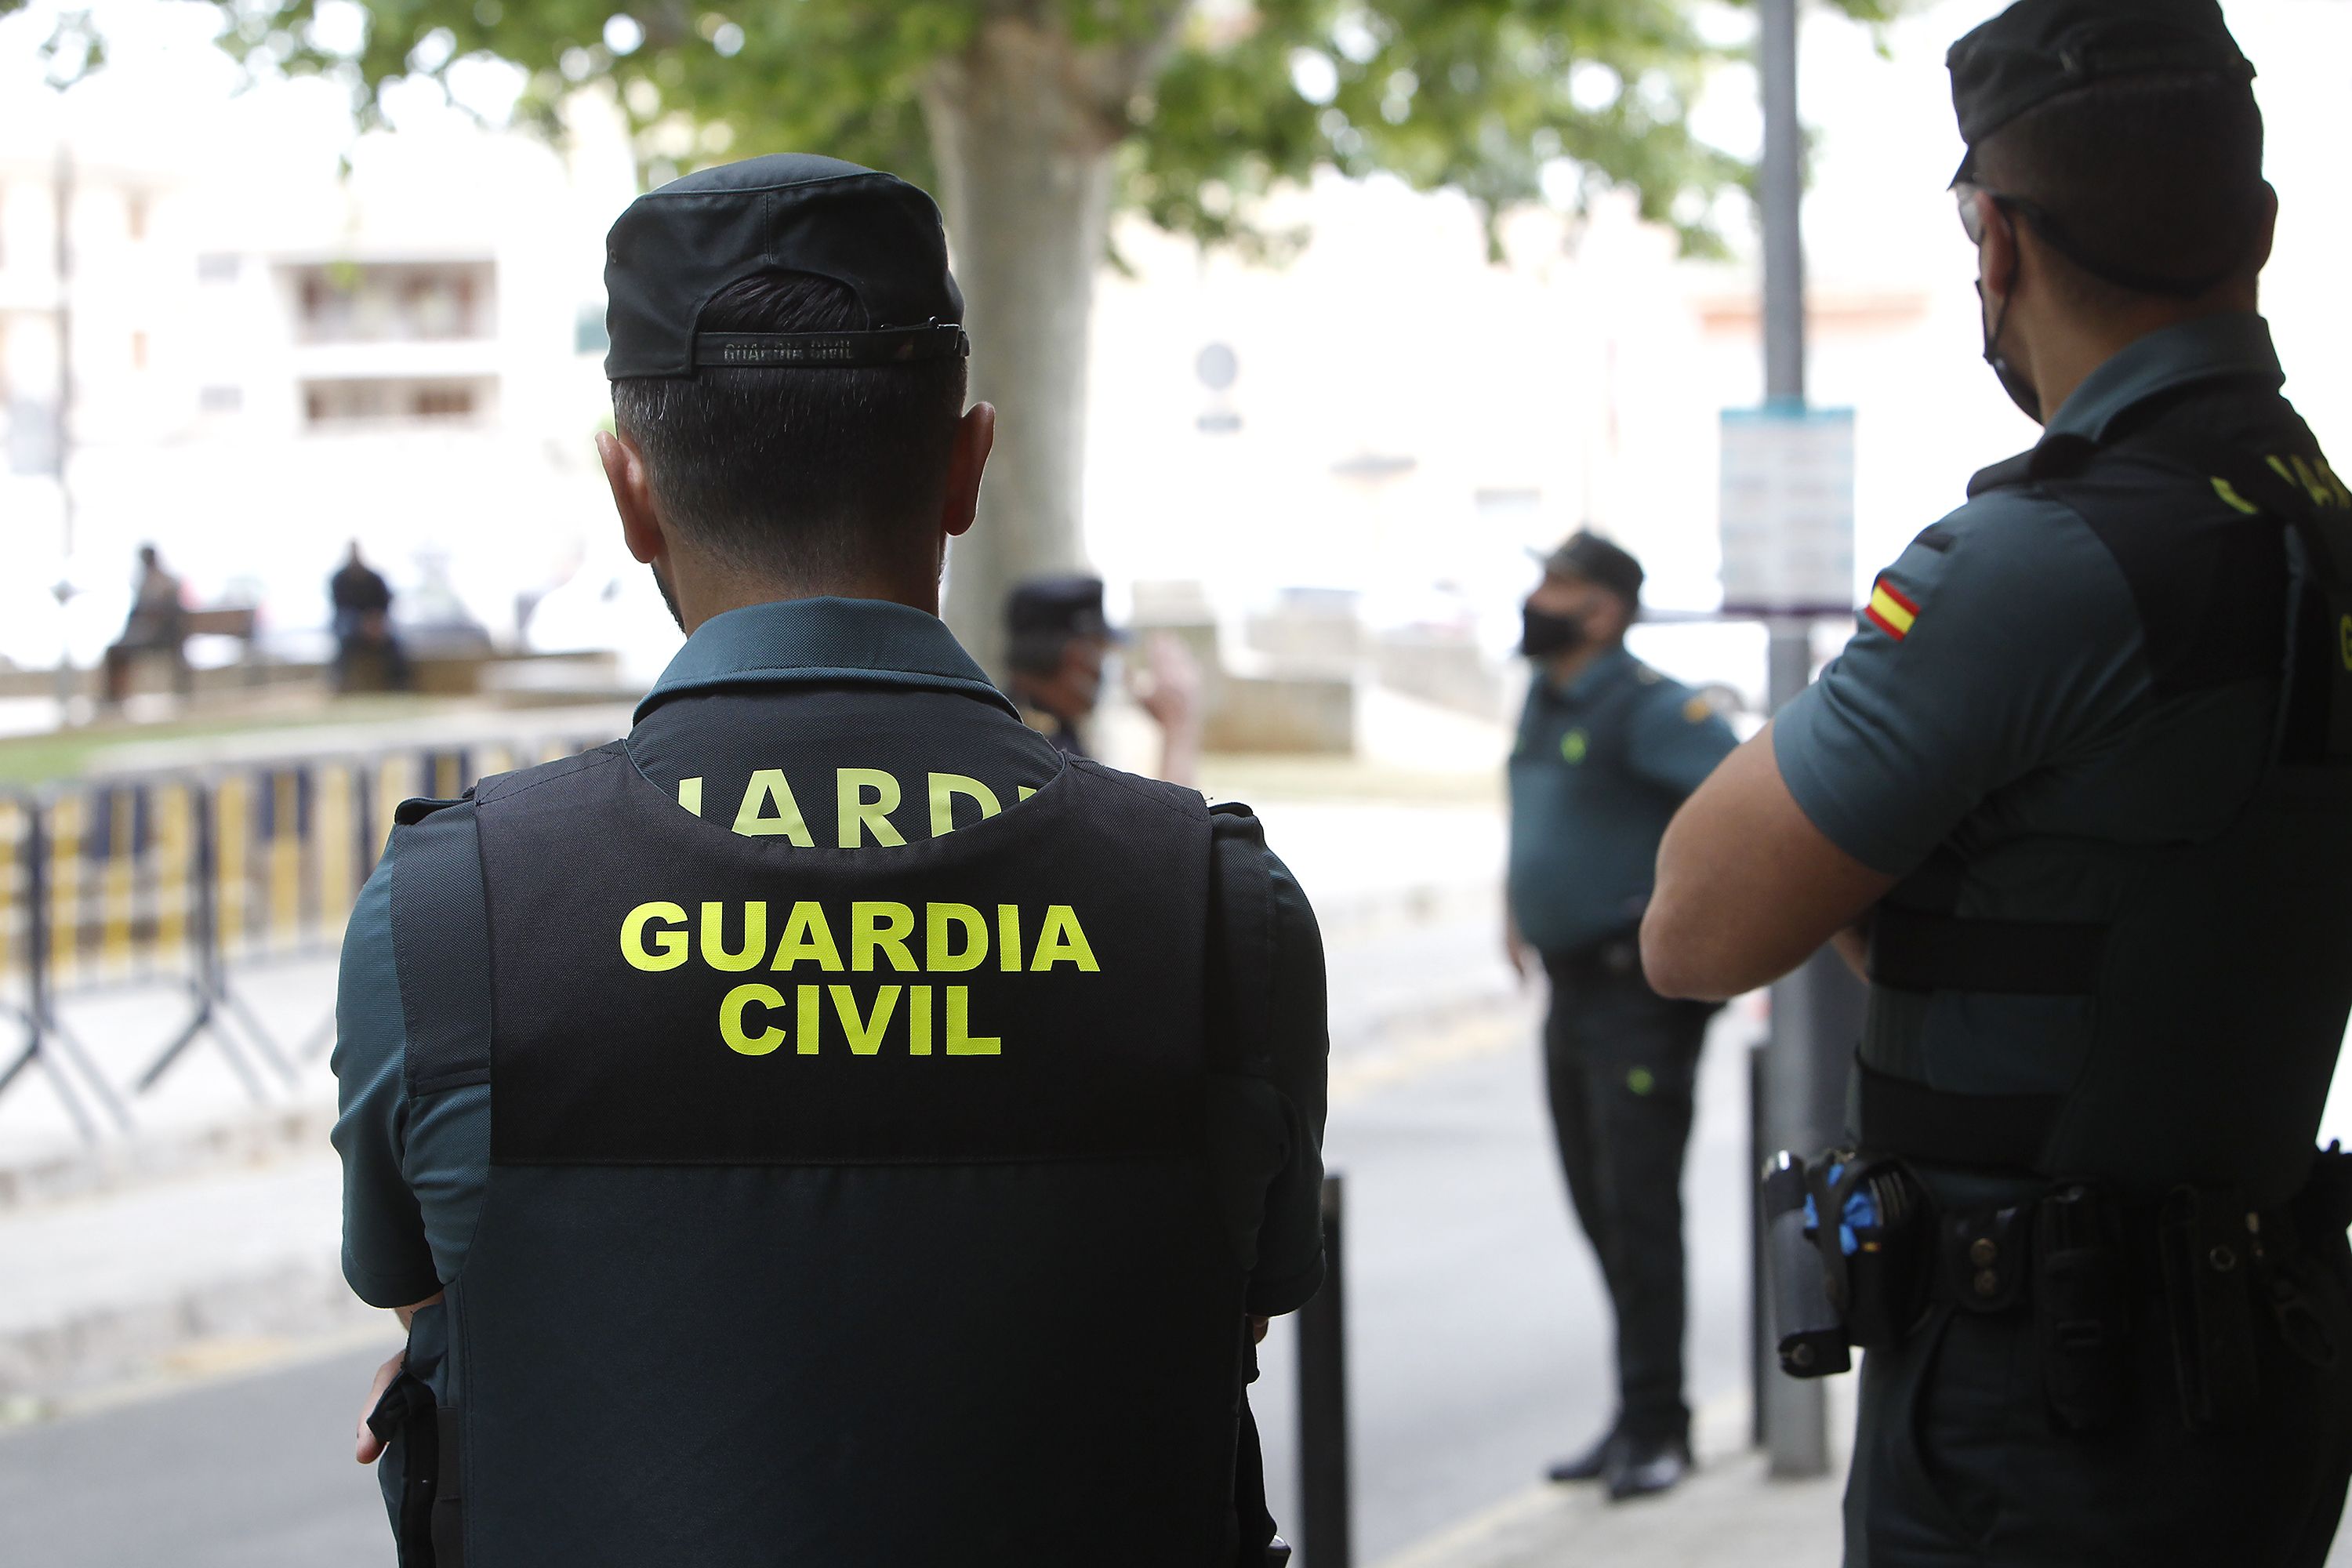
x=806, y=935
x=1008, y=938
x=667, y=949
x=939, y=939
x=945, y=787
x=854, y=815
x=883, y=927
x=731, y=1019
x=1063, y=939
x=961, y=1040
x=1026, y=792
x=918, y=1020
x=714, y=938
x=752, y=820
x=2320, y=494
x=865, y=1035
x=689, y=795
x=804, y=1009
x=2343, y=496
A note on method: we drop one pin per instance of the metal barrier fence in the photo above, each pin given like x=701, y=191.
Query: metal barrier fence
x=171, y=878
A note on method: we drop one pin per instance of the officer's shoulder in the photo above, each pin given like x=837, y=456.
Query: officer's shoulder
x=1658, y=692
x=1179, y=799
x=2021, y=541
x=499, y=788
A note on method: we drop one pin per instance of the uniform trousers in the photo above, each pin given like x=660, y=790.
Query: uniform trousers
x=1621, y=1063
x=1956, y=1462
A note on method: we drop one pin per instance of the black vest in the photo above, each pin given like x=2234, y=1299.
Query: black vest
x=2217, y=992
x=845, y=1206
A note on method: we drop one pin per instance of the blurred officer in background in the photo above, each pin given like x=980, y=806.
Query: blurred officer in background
x=1607, y=749
x=830, y=1125
x=2078, y=787
x=1059, y=646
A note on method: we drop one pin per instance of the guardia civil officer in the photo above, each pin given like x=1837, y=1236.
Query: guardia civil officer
x=1607, y=749
x=2078, y=783
x=828, y=1126
x=1058, y=650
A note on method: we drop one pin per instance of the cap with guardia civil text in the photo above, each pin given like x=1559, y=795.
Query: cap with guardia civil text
x=676, y=247
x=1588, y=555
x=1065, y=606
x=2039, y=49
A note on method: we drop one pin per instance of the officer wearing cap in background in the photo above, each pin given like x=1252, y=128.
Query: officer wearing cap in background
x=829, y=1125
x=1059, y=647
x=1607, y=749
x=2079, y=787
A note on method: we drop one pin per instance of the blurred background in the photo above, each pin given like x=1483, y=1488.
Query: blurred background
x=1306, y=322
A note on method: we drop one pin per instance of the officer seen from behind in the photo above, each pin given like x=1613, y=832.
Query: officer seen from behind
x=829, y=1125
x=1060, y=647
x=1607, y=749
x=2079, y=786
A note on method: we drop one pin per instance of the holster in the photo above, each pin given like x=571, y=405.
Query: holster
x=418, y=1474
x=2207, y=1248
x=2081, y=1311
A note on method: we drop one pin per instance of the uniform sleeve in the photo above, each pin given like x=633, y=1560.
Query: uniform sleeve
x=2004, y=641
x=1266, y=1127
x=1677, y=740
x=416, y=1164
x=385, y=1256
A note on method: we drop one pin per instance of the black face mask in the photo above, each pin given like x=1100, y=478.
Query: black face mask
x=2013, y=381
x=1543, y=634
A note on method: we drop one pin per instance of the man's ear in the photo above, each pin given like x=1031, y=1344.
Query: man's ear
x=2265, y=226
x=633, y=497
x=975, y=437
x=1997, y=258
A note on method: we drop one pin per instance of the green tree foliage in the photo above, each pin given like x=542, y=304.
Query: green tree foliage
x=1207, y=102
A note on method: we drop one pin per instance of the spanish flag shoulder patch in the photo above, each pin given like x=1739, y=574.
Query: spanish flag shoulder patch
x=1891, y=610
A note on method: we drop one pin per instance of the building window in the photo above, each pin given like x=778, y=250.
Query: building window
x=216, y=266
x=393, y=302
x=329, y=405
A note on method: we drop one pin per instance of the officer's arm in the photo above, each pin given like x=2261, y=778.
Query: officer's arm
x=1748, y=887
x=2002, y=643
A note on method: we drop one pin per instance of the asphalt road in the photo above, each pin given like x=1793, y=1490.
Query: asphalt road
x=1478, y=1348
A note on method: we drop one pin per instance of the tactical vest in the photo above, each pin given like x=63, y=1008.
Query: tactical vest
x=844, y=1207
x=2217, y=992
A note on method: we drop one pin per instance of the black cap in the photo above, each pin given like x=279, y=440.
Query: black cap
x=1588, y=555
x=873, y=232
x=1069, y=606
x=2038, y=50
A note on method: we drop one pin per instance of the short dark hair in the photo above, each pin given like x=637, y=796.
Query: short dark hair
x=2154, y=178
x=803, y=472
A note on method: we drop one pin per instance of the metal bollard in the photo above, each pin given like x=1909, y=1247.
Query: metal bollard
x=1323, y=1402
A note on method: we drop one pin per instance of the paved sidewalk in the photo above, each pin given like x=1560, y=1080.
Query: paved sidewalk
x=1729, y=1514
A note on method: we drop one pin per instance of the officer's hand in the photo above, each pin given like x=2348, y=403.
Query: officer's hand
x=370, y=1446
x=1170, y=689
x=1515, y=951
x=1257, y=1328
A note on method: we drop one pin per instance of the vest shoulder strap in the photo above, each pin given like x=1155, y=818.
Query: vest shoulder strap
x=1243, y=895
x=440, y=945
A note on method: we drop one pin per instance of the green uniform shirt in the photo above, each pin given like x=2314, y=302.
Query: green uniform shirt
x=2003, y=699
x=1600, y=768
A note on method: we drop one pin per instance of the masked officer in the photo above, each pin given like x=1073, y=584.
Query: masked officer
x=829, y=1125
x=2079, y=779
x=1607, y=749
x=1059, y=648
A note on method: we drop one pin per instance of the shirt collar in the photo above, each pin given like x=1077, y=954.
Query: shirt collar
x=1597, y=677
x=2207, y=348
x=825, y=640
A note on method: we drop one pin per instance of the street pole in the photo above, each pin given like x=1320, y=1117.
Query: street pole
x=1795, y=1413
x=62, y=184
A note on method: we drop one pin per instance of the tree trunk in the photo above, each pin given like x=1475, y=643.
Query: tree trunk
x=1023, y=127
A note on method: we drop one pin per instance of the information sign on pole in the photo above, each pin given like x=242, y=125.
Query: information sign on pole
x=1788, y=512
